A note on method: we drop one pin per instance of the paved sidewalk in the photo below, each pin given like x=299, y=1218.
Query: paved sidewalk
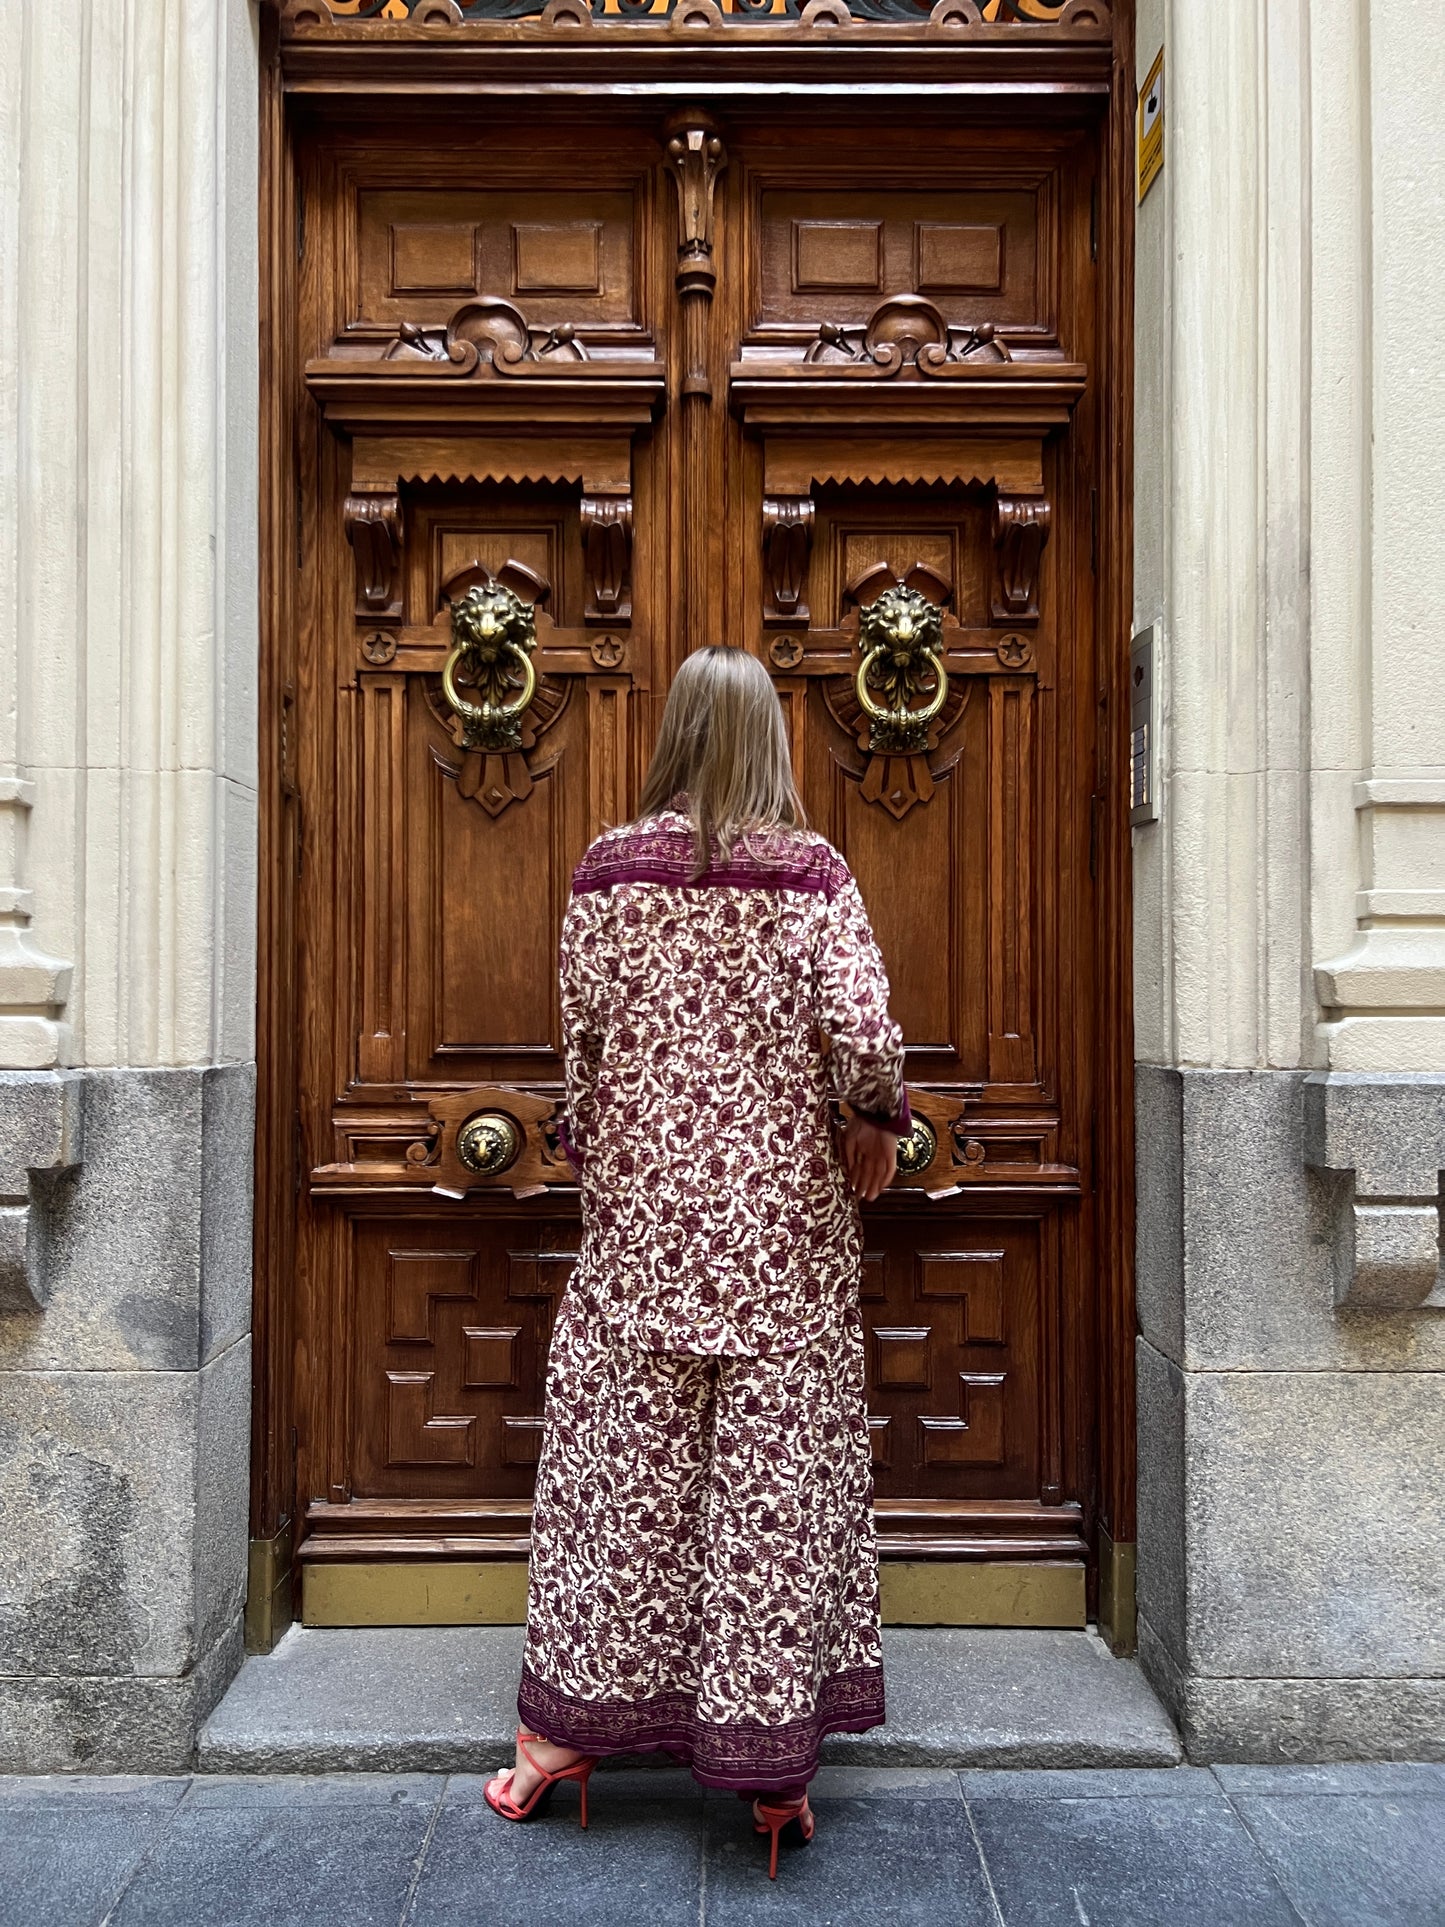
x=1350, y=1846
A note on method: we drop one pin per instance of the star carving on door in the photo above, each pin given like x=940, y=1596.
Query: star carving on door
x=900, y=708
x=497, y=768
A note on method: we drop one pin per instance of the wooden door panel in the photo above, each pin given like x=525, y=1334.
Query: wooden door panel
x=834, y=252
x=568, y=255
x=668, y=460
x=965, y=987
x=451, y=1324
x=953, y=1312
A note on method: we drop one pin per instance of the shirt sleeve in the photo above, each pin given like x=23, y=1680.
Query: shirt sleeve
x=852, y=1007
x=580, y=978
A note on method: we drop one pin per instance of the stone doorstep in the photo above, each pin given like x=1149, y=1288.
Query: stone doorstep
x=443, y=1699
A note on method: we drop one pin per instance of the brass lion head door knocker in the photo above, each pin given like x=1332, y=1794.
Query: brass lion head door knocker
x=490, y=700
x=901, y=636
x=900, y=702
x=489, y=679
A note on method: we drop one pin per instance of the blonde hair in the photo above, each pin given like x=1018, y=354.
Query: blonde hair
x=722, y=754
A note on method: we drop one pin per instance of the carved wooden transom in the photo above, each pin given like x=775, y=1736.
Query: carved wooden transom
x=1022, y=13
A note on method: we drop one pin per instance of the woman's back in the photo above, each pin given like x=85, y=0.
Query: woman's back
x=717, y=1218
x=704, y=1572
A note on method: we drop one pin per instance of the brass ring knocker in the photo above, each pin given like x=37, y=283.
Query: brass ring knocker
x=910, y=720
x=492, y=628
x=490, y=715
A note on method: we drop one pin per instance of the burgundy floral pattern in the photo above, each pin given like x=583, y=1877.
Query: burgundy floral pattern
x=715, y=1215
x=704, y=1573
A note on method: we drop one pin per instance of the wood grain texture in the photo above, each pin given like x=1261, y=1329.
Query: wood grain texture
x=696, y=477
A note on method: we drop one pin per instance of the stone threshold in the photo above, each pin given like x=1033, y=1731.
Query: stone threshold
x=440, y=1699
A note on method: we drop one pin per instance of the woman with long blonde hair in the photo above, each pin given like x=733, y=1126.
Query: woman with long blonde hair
x=704, y=1574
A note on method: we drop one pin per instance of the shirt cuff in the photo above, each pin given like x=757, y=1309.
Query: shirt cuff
x=569, y=1149
x=900, y=1125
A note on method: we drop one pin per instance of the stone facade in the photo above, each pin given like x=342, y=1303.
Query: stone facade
x=1289, y=902
x=1289, y=911
x=125, y=1431
x=128, y=624
x=1292, y=1448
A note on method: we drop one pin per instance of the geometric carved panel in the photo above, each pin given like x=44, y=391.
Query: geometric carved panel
x=433, y=257
x=837, y=254
x=490, y=1357
x=414, y=1435
x=539, y=1274
x=953, y=258
x=975, y=1278
x=521, y=1441
x=901, y=1356
x=975, y=1437
x=415, y=1282
x=556, y=257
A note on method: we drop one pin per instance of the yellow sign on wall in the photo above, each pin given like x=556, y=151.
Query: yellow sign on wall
x=1151, y=126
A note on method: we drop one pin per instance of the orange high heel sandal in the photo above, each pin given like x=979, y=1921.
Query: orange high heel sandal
x=541, y=1797
x=776, y=1820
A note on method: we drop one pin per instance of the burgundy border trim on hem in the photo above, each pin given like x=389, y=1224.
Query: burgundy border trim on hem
x=743, y=1754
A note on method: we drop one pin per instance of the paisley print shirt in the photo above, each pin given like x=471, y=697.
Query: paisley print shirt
x=716, y=1219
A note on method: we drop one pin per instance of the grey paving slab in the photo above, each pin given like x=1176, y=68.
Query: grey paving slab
x=298, y=1790
x=1346, y=1778
x=1123, y=1862
x=1374, y=1860
x=640, y=1860
x=899, y=1859
x=443, y=1699
x=69, y=1790
x=63, y=1863
x=886, y=1783
x=1090, y=1783
x=282, y=1855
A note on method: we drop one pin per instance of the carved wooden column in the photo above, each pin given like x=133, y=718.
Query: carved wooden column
x=695, y=156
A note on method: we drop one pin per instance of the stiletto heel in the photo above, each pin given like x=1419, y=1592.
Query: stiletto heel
x=507, y=1808
x=776, y=1820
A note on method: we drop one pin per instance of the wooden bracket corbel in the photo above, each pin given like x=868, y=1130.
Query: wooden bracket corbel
x=1020, y=531
x=787, y=546
x=373, y=523
x=607, y=549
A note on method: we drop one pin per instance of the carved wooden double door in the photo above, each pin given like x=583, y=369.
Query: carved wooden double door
x=582, y=389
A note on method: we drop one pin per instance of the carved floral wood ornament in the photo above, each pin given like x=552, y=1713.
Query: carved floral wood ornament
x=1079, y=14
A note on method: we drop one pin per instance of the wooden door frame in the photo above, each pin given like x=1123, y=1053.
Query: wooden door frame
x=1017, y=71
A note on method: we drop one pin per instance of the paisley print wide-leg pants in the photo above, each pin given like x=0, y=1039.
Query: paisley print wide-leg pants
x=704, y=1574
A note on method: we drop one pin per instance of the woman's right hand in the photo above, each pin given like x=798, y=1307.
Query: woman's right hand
x=870, y=1158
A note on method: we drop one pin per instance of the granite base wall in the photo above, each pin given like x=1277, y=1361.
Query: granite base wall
x=125, y=1431
x=1291, y=1443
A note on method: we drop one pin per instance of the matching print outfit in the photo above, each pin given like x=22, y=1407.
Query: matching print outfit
x=704, y=1572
